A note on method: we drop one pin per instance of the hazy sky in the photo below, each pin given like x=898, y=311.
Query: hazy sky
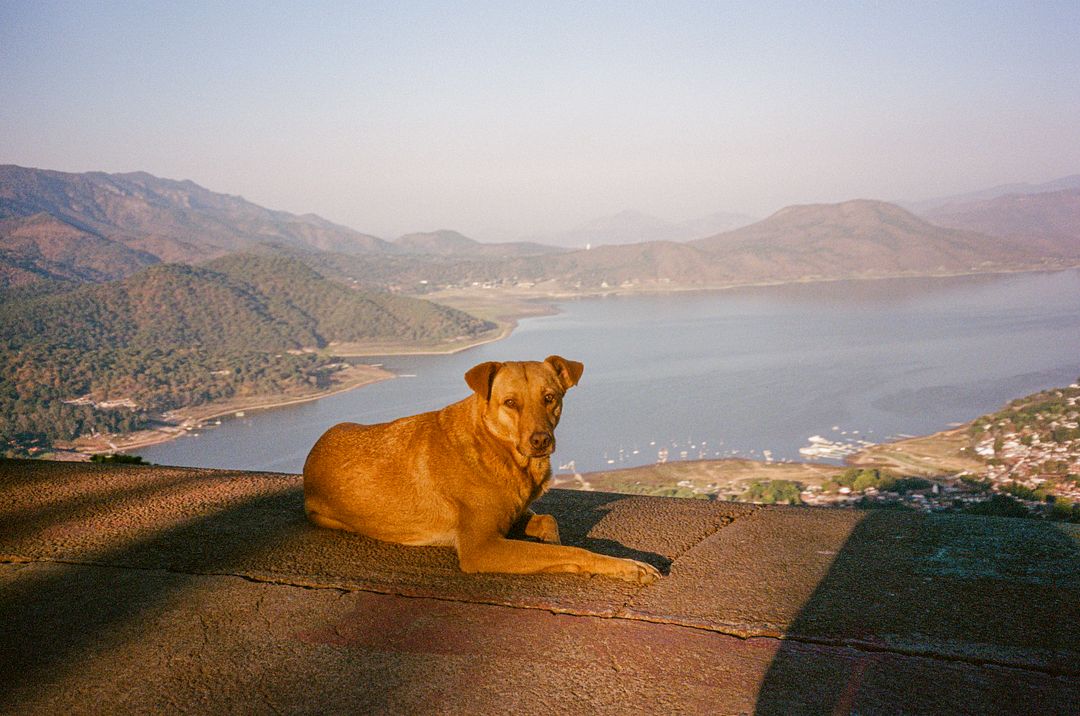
x=504, y=119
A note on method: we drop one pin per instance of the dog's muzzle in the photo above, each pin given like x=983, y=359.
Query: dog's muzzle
x=541, y=443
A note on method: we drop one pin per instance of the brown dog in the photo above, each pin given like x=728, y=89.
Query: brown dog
x=460, y=476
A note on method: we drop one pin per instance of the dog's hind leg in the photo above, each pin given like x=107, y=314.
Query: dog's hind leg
x=322, y=520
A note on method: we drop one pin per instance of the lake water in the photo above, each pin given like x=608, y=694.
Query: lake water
x=716, y=374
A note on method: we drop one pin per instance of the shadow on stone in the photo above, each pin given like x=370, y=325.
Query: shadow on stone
x=55, y=620
x=579, y=514
x=907, y=586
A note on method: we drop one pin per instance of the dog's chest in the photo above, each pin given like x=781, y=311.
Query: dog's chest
x=526, y=483
x=538, y=474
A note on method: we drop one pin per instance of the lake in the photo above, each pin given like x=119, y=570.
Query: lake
x=748, y=372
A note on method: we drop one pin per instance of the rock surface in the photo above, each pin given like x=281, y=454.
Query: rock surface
x=153, y=589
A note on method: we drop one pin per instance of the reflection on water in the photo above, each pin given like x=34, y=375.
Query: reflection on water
x=701, y=375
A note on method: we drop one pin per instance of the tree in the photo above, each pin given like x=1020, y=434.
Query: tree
x=999, y=506
x=771, y=492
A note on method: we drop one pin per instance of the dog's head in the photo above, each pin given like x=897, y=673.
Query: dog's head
x=523, y=400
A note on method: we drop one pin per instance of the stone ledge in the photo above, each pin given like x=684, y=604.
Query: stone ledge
x=151, y=588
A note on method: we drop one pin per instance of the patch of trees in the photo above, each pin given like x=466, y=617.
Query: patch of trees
x=773, y=492
x=860, y=480
x=174, y=336
x=119, y=458
x=1039, y=415
x=28, y=422
x=999, y=505
x=1010, y=502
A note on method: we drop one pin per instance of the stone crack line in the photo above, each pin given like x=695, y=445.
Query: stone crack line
x=621, y=615
x=724, y=522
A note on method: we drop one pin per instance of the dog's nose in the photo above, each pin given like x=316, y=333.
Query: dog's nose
x=540, y=440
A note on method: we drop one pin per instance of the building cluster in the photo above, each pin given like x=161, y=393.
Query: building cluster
x=1035, y=445
x=1031, y=452
x=937, y=495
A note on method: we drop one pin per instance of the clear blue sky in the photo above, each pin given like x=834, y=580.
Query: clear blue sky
x=505, y=119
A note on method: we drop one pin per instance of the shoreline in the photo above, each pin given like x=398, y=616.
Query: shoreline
x=935, y=456
x=659, y=290
x=187, y=419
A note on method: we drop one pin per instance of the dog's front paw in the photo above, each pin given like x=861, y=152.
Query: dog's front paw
x=543, y=528
x=634, y=571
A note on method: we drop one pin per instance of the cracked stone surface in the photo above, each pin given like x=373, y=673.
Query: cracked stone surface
x=136, y=589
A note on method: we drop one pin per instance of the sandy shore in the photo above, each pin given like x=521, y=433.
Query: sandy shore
x=183, y=420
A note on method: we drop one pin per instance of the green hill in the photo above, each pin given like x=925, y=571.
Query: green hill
x=174, y=335
x=339, y=313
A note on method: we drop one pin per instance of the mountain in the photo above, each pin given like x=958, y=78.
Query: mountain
x=927, y=206
x=126, y=220
x=857, y=238
x=626, y=227
x=175, y=335
x=1050, y=219
x=42, y=246
x=451, y=243
x=337, y=313
x=96, y=227
x=715, y=223
x=634, y=227
x=854, y=239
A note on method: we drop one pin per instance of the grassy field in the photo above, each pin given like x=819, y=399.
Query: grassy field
x=929, y=456
x=724, y=478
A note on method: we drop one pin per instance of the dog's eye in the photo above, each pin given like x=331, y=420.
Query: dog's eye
x=510, y=403
x=549, y=398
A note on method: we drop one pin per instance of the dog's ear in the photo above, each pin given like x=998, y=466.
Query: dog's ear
x=569, y=371
x=481, y=376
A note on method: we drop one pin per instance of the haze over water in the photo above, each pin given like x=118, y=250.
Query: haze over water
x=728, y=373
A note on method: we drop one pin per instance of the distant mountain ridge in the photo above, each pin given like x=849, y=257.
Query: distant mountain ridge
x=858, y=236
x=135, y=218
x=855, y=239
x=928, y=206
x=1050, y=219
x=41, y=246
x=96, y=227
x=445, y=242
x=635, y=227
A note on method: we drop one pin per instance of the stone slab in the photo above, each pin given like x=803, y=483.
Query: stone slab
x=145, y=589
x=158, y=642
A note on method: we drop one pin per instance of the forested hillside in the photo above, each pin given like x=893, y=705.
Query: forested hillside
x=175, y=335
